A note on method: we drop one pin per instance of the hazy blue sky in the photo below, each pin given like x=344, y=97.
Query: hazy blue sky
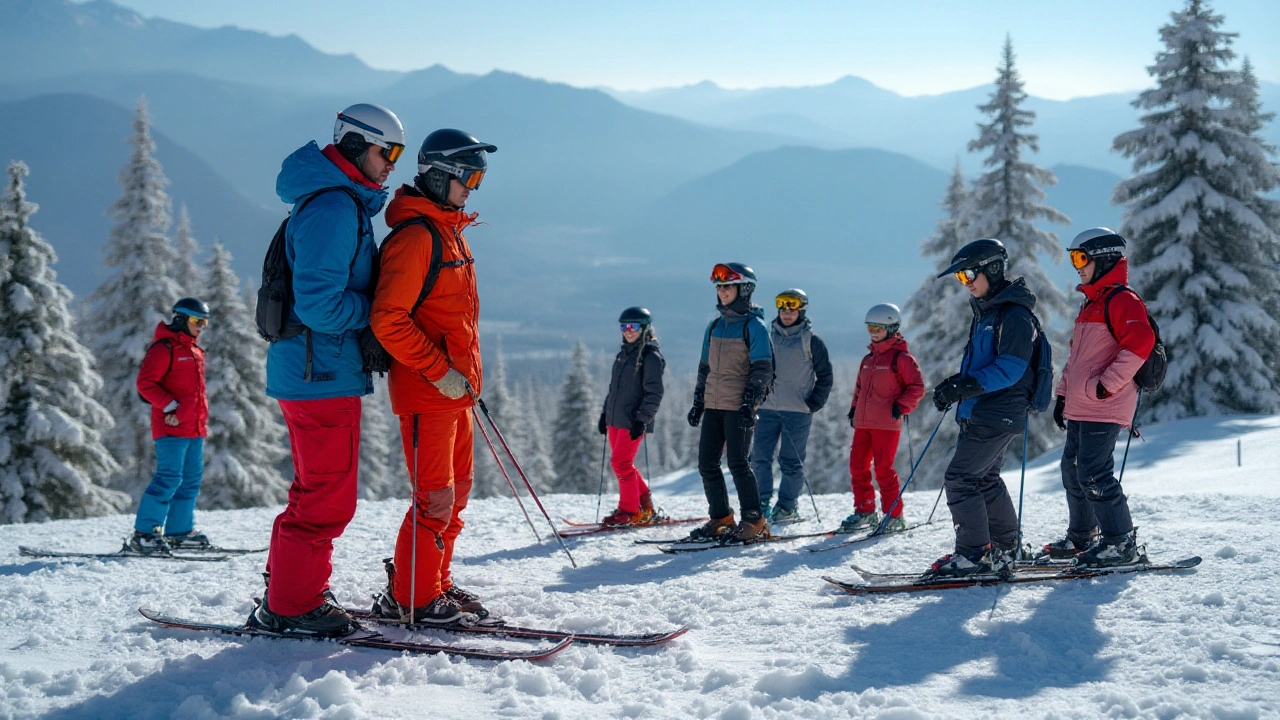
x=1065, y=49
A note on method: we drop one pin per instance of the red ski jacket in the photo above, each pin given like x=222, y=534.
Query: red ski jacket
x=889, y=374
x=173, y=369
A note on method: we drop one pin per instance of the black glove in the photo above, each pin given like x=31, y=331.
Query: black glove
x=897, y=412
x=601, y=426
x=373, y=357
x=852, y=410
x=1102, y=392
x=1059, y=410
x=695, y=414
x=955, y=389
x=746, y=417
x=637, y=429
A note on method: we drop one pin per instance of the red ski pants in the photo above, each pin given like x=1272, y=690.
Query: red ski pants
x=631, y=484
x=445, y=468
x=324, y=436
x=878, y=447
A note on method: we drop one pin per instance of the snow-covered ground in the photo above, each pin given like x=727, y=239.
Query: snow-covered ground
x=768, y=639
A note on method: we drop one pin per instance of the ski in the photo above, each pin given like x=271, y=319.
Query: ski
x=364, y=639
x=687, y=547
x=849, y=542
x=501, y=629
x=895, y=583
x=123, y=552
x=581, y=529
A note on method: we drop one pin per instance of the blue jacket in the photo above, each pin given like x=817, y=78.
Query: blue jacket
x=1004, y=372
x=329, y=289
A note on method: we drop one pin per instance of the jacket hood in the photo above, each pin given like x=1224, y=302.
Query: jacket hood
x=308, y=170
x=408, y=203
x=164, y=333
x=1118, y=275
x=1015, y=293
x=798, y=327
x=889, y=344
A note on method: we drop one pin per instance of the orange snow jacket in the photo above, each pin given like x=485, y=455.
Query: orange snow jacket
x=444, y=332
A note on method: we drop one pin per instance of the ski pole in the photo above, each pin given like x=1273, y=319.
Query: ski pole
x=600, y=492
x=498, y=461
x=528, y=485
x=413, y=554
x=906, y=420
x=1129, y=439
x=898, y=500
x=803, y=474
x=935, y=505
x=1022, y=482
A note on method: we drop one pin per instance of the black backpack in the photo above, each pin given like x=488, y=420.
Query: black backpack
x=275, y=292
x=437, y=257
x=167, y=343
x=1042, y=380
x=1150, y=376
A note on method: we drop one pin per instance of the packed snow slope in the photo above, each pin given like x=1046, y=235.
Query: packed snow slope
x=768, y=638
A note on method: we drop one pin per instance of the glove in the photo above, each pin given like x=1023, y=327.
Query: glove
x=746, y=417
x=171, y=420
x=1102, y=392
x=897, y=412
x=1059, y=408
x=637, y=430
x=373, y=357
x=453, y=385
x=695, y=414
x=955, y=389
x=852, y=410
x=601, y=426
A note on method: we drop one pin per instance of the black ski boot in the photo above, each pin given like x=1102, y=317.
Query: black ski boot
x=467, y=602
x=1070, y=546
x=149, y=543
x=327, y=620
x=1123, y=550
x=191, y=540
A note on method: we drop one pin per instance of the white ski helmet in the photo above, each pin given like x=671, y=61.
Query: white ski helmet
x=886, y=314
x=374, y=124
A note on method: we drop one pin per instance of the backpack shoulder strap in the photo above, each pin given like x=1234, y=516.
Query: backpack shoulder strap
x=434, y=265
x=1106, y=306
x=806, y=340
x=169, y=344
x=360, y=215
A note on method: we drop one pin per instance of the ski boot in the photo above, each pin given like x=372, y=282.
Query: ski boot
x=750, y=531
x=782, y=516
x=1068, y=547
x=958, y=565
x=149, y=543
x=467, y=602
x=620, y=518
x=713, y=530
x=327, y=620
x=190, y=540
x=1124, y=550
x=859, y=521
x=895, y=525
x=648, y=513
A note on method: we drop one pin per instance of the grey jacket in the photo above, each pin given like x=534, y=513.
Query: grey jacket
x=802, y=369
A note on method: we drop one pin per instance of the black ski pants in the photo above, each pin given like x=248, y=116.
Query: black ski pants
x=721, y=435
x=981, y=509
x=1095, y=499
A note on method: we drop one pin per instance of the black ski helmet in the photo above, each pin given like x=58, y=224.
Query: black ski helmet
x=449, y=153
x=986, y=255
x=734, y=273
x=192, y=307
x=635, y=314
x=1102, y=245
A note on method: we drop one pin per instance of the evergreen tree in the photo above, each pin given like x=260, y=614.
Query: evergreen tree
x=1006, y=202
x=937, y=317
x=827, y=456
x=530, y=428
x=245, y=441
x=381, y=449
x=1203, y=236
x=52, y=460
x=186, y=272
x=497, y=398
x=575, y=441
x=129, y=304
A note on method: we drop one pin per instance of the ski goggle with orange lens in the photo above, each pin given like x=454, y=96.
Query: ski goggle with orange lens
x=967, y=276
x=789, y=302
x=1079, y=258
x=723, y=274
x=197, y=321
x=631, y=327
x=877, y=327
x=393, y=153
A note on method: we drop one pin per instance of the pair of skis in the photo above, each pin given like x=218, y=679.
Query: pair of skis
x=190, y=553
x=683, y=545
x=581, y=529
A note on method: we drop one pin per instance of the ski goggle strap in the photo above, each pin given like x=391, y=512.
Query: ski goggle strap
x=469, y=178
x=631, y=327
x=1079, y=258
x=967, y=276
x=789, y=302
x=722, y=274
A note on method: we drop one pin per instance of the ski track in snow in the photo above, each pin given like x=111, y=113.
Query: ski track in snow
x=768, y=638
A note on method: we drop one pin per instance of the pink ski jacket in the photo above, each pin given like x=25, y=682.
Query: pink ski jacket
x=1099, y=357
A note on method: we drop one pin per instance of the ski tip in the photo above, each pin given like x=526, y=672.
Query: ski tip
x=1190, y=562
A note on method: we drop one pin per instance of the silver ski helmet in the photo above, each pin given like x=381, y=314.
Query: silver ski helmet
x=792, y=299
x=984, y=255
x=449, y=153
x=365, y=124
x=1101, y=245
x=886, y=315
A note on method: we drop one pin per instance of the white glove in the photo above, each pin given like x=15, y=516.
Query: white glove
x=453, y=385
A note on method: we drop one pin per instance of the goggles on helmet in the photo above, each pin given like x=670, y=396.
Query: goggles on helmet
x=631, y=326
x=967, y=276
x=877, y=327
x=1079, y=258
x=789, y=302
x=722, y=274
x=470, y=178
x=392, y=152
x=197, y=321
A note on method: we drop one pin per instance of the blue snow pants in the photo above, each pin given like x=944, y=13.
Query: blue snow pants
x=785, y=433
x=170, y=500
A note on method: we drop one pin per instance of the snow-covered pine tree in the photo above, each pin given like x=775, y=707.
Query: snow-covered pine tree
x=246, y=442
x=1007, y=201
x=186, y=273
x=129, y=304
x=530, y=433
x=52, y=460
x=1204, y=238
x=827, y=455
x=382, y=468
x=575, y=443
x=937, y=316
x=498, y=399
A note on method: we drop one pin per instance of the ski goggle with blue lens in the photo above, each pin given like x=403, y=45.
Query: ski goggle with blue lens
x=631, y=327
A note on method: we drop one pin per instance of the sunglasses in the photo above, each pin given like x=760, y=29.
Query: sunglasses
x=877, y=327
x=966, y=277
x=1079, y=258
x=787, y=302
x=197, y=321
x=724, y=275
x=393, y=153
x=631, y=327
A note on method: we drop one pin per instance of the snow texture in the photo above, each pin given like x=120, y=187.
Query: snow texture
x=768, y=638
